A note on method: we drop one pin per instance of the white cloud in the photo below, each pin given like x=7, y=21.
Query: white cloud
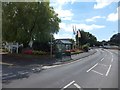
x=68, y=27
x=64, y=14
x=102, y=3
x=62, y=2
x=94, y=18
x=89, y=27
x=113, y=16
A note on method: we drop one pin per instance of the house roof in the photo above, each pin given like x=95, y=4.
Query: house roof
x=66, y=42
x=63, y=41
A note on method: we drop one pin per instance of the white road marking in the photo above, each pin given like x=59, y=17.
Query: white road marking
x=97, y=72
x=112, y=58
x=111, y=54
x=102, y=59
x=47, y=67
x=77, y=85
x=68, y=85
x=108, y=70
x=103, y=65
x=92, y=67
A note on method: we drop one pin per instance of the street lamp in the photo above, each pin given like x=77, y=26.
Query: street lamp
x=51, y=45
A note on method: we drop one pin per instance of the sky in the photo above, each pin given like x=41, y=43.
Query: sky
x=99, y=17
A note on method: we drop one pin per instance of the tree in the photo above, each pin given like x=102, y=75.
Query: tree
x=115, y=39
x=85, y=38
x=98, y=43
x=25, y=21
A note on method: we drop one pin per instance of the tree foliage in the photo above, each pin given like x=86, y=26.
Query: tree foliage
x=115, y=39
x=86, y=38
x=25, y=21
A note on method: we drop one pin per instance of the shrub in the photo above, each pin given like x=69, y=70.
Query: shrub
x=78, y=52
x=39, y=53
x=34, y=52
x=27, y=51
x=85, y=48
x=72, y=50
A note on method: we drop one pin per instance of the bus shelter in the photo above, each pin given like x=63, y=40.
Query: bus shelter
x=63, y=47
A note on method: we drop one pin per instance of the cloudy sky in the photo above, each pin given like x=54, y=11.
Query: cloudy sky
x=99, y=17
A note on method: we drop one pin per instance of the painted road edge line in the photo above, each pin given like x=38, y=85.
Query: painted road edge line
x=108, y=70
x=97, y=72
x=102, y=59
x=77, y=85
x=48, y=67
x=111, y=54
x=92, y=67
x=68, y=85
x=112, y=58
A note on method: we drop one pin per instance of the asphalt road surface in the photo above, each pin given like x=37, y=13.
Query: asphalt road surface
x=99, y=70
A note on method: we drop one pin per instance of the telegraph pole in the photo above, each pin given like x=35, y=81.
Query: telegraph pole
x=51, y=46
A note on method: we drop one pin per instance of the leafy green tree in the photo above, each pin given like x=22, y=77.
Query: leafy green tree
x=25, y=21
x=115, y=39
x=86, y=38
x=98, y=43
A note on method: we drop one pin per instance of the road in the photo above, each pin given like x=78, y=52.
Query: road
x=99, y=70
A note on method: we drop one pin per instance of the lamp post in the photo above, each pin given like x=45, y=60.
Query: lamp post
x=51, y=45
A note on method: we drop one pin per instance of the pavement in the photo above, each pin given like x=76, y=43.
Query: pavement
x=99, y=70
x=16, y=67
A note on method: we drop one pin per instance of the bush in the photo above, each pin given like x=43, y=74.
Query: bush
x=78, y=52
x=27, y=51
x=34, y=52
x=72, y=50
x=39, y=53
x=85, y=48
